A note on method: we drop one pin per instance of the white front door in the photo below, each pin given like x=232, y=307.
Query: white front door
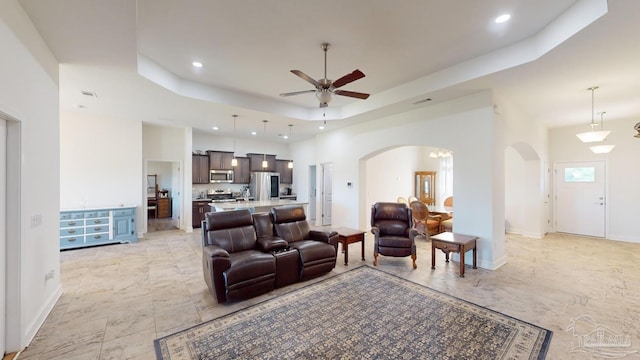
x=580, y=201
x=327, y=193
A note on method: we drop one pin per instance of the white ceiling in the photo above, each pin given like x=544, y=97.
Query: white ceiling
x=410, y=50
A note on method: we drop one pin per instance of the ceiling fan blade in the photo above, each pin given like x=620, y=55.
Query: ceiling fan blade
x=353, y=94
x=297, y=92
x=306, y=77
x=353, y=76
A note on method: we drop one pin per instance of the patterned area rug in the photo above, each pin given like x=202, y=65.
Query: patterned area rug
x=363, y=313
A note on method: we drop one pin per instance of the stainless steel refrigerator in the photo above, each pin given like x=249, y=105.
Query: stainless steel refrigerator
x=265, y=186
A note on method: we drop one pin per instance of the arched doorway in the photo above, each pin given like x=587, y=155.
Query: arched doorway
x=526, y=192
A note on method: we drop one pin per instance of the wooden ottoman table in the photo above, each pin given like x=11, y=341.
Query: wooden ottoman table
x=453, y=242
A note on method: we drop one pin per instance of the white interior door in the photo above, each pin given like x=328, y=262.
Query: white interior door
x=327, y=193
x=312, y=194
x=3, y=234
x=580, y=202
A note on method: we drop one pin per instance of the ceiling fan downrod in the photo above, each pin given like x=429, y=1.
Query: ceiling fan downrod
x=325, y=47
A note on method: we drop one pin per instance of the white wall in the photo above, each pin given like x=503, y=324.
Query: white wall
x=303, y=154
x=623, y=172
x=389, y=174
x=526, y=173
x=101, y=163
x=478, y=170
x=29, y=95
x=163, y=170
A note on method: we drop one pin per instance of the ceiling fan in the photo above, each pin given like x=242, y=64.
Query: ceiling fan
x=324, y=88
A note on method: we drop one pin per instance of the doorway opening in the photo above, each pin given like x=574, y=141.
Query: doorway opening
x=327, y=193
x=312, y=194
x=163, y=196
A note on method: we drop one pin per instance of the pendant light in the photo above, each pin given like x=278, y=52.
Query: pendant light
x=265, y=164
x=290, y=164
x=234, y=161
x=593, y=136
x=601, y=149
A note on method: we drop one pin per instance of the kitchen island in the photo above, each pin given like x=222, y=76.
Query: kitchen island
x=256, y=206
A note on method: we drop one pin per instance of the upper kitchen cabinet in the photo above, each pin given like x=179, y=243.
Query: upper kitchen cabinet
x=242, y=172
x=286, y=173
x=199, y=169
x=255, y=162
x=220, y=160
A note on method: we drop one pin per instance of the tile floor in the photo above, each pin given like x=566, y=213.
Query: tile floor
x=119, y=298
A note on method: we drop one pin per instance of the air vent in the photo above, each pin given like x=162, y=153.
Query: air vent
x=89, y=93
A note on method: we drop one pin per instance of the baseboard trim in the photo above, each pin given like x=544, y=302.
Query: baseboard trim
x=45, y=310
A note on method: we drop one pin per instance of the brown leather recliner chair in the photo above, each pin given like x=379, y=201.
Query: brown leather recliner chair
x=236, y=263
x=317, y=249
x=392, y=227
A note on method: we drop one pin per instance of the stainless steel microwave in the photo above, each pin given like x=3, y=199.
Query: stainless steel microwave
x=221, y=176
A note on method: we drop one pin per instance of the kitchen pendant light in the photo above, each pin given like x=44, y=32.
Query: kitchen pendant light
x=265, y=164
x=593, y=136
x=290, y=164
x=601, y=149
x=234, y=161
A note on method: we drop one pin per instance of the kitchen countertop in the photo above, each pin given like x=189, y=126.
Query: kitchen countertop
x=240, y=199
x=254, y=204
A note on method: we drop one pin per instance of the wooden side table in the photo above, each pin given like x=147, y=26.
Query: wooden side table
x=453, y=242
x=348, y=236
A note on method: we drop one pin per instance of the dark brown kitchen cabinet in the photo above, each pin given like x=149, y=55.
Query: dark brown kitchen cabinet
x=220, y=160
x=198, y=209
x=286, y=174
x=255, y=162
x=199, y=169
x=242, y=172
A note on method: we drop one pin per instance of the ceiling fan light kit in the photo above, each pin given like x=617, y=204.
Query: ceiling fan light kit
x=325, y=88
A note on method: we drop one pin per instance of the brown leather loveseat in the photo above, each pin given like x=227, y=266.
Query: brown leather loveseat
x=247, y=255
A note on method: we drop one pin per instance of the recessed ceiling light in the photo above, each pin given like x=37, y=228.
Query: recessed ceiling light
x=253, y=133
x=502, y=18
x=215, y=128
x=197, y=64
x=321, y=127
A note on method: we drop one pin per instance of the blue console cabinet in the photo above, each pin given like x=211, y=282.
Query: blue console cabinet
x=88, y=227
